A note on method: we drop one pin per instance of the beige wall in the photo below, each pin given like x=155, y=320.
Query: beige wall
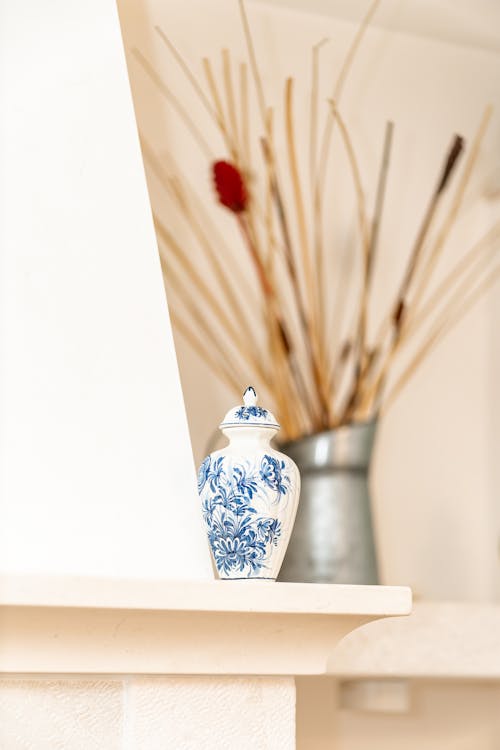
x=441, y=716
x=435, y=476
x=164, y=713
x=201, y=713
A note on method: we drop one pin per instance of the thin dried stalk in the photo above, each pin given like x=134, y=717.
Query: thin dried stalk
x=312, y=310
x=264, y=112
x=290, y=383
x=337, y=378
x=187, y=72
x=289, y=257
x=299, y=203
x=274, y=311
x=216, y=113
x=206, y=293
x=269, y=217
x=173, y=281
x=313, y=146
x=358, y=185
x=285, y=393
x=244, y=115
x=197, y=280
x=337, y=93
x=280, y=210
x=379, y=198
x=173, y=100
x=198, y=225
x=439, y=333
x=209, y=342
x=474, y=255
x=462, y=288
x=253, y=63
x=313, y=116
x=323, y=157
x=231, y=140
x=413, y=265
x=219, y=110
x=204, y=222
x=265, y=284
x=397, y=315
x=401, y=311
x=277, y=352
x=297, y=367
x=452, y=293
x=268, y=151
x=247, y=222
x=339, y=302
x=205, y=353
x=365, y=364
x=322, y=160
x=360, y=343
x=231, y=106
x=220, y=271
x=280, y=339
x=454, y=208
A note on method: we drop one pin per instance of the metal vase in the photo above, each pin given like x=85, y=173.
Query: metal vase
x=332, y=540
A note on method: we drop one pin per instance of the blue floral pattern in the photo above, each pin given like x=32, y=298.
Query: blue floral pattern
x=203, y=473
x=245, y=412
x=272, y=473
x=241, y=508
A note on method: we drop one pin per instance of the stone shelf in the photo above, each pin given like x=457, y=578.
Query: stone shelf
x=82, y=625
x=440, y=640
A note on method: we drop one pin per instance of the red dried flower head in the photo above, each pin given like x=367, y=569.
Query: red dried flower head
x=230, y=186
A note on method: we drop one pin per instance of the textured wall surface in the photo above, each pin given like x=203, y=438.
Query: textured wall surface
x=236, y=713
x=212, y=713
x=167, y=713
x=63, y=714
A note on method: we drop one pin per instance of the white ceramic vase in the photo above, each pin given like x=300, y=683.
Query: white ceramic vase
x=249, y=494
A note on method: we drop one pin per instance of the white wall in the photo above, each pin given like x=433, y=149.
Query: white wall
x=96, y=471
x=435, y=477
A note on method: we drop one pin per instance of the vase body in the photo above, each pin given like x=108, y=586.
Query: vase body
x=333, y=541
x=249, y=494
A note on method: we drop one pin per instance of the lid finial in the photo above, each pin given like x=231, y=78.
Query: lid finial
x=250, y=396
x=249, y=414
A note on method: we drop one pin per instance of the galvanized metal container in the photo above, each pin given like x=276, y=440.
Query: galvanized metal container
x=332, y=540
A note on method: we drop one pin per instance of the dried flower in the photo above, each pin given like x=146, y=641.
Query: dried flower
x=315, y=385
x=230, y=186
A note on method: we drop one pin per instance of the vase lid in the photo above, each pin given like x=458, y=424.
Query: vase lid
x=249, y=414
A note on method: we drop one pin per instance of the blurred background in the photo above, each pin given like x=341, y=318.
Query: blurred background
x=430, y=68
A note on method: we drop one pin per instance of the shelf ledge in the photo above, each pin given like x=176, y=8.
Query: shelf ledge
x=439, y=641
x=99, y=626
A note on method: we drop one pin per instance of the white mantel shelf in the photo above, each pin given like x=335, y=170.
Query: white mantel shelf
x=262, y=597
x=82, y=625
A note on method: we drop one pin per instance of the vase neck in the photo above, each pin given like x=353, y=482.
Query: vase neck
x=346, y=448
x=249, y=438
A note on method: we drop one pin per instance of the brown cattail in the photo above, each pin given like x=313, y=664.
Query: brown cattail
x=455, y=151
